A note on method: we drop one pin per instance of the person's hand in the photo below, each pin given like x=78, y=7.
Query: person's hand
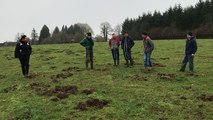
x=193, y=55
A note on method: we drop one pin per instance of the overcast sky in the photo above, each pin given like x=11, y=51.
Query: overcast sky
x=21, y=16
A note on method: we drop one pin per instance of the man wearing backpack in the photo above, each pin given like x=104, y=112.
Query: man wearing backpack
x=127, y=43
x=114, y=44
x=23, y=51
x=88, y=44
x=148, y=48
x=190, y=50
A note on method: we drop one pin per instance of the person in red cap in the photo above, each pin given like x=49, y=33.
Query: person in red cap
x=23, y=51
x=127, y=43
x=114, y=44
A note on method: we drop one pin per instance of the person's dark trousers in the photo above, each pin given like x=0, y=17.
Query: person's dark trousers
x=188, y=58
x=128, y=57
x=89, y=58
x=147, y=59
x=25, y=64
x=115, y=55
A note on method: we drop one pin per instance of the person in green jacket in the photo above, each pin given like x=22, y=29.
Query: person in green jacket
x=88, y=44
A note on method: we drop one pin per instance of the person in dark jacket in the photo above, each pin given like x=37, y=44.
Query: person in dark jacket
x=190, y=50
x=23, y=51
x=127, y=43
x=148, y=48
x=88, y=44
x=114, y=44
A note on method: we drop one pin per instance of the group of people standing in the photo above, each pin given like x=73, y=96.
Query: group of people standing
x=23, y=51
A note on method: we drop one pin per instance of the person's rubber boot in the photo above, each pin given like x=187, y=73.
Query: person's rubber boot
x=131, y=62
x=127, y=63
x=86, y=65
x=91, y=65
x=114, y=63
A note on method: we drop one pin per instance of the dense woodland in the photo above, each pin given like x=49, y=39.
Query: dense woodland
x=174, y=22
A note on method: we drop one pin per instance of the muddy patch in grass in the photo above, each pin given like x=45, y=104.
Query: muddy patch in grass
x=59, y=92
x=24, y=116
x=32, y=75
x=88, y=91
x=191, y=74
x=138, y=78
x=2, y=76
x=61, y=76
x=165, y=76
x=165, y=58
x=10, y=89
x=158, y=65
x=205, y=97
x=72, y=69
x=92, y=103
x=148, y=70
x=49, y=58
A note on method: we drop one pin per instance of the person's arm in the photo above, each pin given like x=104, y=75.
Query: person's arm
x=118, y=41
x=83, y=42
x=151, y=44
x=30, y=48
x=110, y=43
x=122, y=43
x=132, y=43
x=194, y=43
x=17, y=50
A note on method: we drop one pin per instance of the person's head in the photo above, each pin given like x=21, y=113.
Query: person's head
x=189, y=35
x=126, y=35
x=113, y=35
x=144, y=35
x=89, y=35
x=24, y=38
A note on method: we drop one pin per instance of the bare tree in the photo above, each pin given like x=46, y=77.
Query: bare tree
x=106, y=29
x=85, y=27
x=34, y=36
x=118, y=29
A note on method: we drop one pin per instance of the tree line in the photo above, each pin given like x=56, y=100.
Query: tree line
x=174, y=22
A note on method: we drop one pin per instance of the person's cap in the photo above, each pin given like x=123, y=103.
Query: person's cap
x=23, y=37
x=89, y=34
x=144, y=33
x=190, y=33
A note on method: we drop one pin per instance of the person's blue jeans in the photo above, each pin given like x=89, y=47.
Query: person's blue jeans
x=188, y=58
x=147, y=59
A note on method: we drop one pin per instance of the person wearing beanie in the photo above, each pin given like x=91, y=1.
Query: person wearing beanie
x=88, y=43
x=148, y=48
x=190, y=50
x=114, y=44
x=23, y=51
x=127, y=43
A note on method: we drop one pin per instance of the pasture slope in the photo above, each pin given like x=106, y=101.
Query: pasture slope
x=59, y=87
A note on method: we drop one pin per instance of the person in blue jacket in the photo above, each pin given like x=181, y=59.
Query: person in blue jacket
x=127, y=43
x=190, y=50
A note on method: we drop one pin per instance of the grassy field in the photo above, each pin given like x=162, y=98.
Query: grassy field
x=59, y=87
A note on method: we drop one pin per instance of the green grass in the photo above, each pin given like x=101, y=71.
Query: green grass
x=134, y=94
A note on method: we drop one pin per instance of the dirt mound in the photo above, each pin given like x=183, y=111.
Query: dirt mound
x=62, y=75
x=60, y=92
x=165, y=76
x=205, y=97
x=69, y=52
x=32, y=75
x=72, y=69
x=49, y=58
x=138, y=78
x=87, y=92
x=148, y=71
x=92, y=103
x=165, y=58
x=9, y=89
x=53, y=67
x=158, y=65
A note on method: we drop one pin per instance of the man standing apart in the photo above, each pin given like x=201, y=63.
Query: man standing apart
x=88, y=44
x=190, y=50
x=127, y=43
x=23, y=51
x=148, y=48
x=114, y=44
